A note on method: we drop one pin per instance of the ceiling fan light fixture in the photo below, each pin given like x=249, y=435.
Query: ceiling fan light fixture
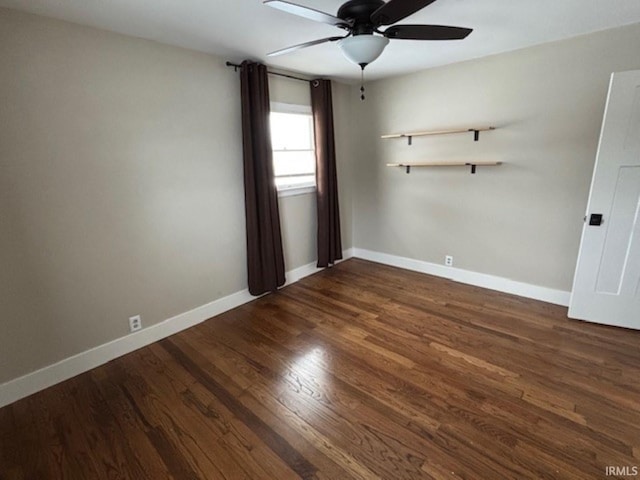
x=363, y=49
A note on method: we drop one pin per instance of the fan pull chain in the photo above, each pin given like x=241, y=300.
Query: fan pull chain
x=362, y=65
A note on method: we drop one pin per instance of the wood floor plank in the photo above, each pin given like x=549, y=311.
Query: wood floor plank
x=143, y=457
x=237, y=447
x=362, y=371
x=75, y=435
x=278, y=444
x=294, y=432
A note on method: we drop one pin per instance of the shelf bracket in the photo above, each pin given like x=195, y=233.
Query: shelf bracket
x=476, y=137
x=408, y=169
x=409, y=141
x=473, y=167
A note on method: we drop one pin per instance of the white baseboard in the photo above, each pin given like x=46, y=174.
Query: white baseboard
x=310, y=268
x=506, y=285
x=70, y=367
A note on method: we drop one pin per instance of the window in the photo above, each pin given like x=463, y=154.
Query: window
x=294, y=160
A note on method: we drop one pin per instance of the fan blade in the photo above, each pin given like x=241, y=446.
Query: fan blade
x=427, y=32
x=395, y=10
x=303, y=45
x=306, y=12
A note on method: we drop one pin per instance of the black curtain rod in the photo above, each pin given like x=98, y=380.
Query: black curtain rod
x=236, y=67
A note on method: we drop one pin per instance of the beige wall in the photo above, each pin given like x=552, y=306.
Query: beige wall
x=345, y=156
x=521, y=220
x=120, y=187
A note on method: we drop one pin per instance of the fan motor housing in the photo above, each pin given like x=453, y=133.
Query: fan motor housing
x=360, y=12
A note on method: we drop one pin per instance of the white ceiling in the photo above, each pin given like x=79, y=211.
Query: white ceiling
x=239, y=29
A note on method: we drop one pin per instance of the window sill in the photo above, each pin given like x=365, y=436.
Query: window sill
x=293, y=191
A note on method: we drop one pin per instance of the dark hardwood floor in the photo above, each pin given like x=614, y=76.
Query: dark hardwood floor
x=361, y=371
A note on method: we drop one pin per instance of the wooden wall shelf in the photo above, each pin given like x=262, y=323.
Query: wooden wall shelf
x=473, y=165
x=409, y=135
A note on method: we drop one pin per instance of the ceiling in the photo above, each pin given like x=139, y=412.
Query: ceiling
x=239, y=29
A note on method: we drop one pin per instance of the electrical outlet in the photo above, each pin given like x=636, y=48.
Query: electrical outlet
x=135, y=323
x=448, y=261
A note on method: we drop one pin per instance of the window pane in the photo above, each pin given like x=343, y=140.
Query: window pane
x=294, y=163
x=292, y=182
x=291, y=131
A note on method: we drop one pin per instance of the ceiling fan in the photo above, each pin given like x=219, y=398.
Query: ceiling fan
x=362, y=19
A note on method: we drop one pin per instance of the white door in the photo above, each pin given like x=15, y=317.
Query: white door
x=606, y=287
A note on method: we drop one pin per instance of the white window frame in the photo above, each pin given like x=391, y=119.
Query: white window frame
x=279, y=107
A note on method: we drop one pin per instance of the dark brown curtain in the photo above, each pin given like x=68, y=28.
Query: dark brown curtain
x=265, y=260
x=329, y=243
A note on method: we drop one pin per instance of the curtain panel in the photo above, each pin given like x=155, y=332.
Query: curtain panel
x=265, y=259
x=329, y=241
